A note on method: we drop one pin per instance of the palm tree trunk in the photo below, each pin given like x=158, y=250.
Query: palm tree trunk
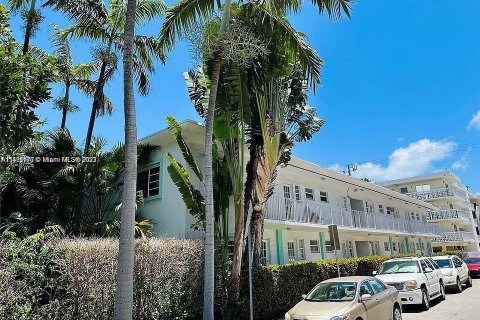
x=29, y=27
x=66, y=99
x=95, y=106
x=124, y=284
x=208, y=291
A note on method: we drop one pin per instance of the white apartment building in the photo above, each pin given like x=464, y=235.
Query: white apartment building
x=457, y=212
x=308, y=198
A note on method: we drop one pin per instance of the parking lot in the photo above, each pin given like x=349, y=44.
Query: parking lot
x=457, y=306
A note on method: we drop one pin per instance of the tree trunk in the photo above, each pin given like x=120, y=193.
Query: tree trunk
x=28, y=27
x=126, y=254
x=65, y=107
x=209, y=276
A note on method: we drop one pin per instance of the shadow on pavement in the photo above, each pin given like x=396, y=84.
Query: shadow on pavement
x=433, y=303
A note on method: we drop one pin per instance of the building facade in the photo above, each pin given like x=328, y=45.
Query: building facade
x=457, y=209
x=371, y=220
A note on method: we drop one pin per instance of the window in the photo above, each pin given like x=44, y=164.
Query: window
x=412, y=216
x=418, y=246
x=345, y=201
x=314, y=246
x=390, y=210
x=404, y=190
x=418, y=217
x=286, y=192
x=323, y=196
x=265, y=259
x=377, y=285
x=380, y=208
x=366, y=288
x=425, y=187
x=423, y=264
x=298, y=195
x=328, y=246
x=394, y=246
x=368, y=207
x=309, y=194
x=148, y=181
x=423, y=246
x=386, y=246
x=291, y=251
x=301, y=249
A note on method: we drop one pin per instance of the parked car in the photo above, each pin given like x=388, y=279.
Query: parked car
x=455, y=272
x=417, y=278
x=473, y=264
x=349, y=298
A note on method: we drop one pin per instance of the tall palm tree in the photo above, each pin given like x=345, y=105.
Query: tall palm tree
x=105, y=25
x=73, y=75
x=124, y=285
x=32, y=18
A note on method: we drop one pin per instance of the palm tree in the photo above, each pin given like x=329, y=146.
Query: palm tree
x=73, y=75
x=105, y=25
x=32, y=16
x=124, y=284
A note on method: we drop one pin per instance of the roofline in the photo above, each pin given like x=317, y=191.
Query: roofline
x=317, y=169
x=435, y=175
x=164, y=130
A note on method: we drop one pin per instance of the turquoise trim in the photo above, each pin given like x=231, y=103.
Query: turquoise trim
x=279, y=239
x=391, y=245
x=158, y=163
x=407, y=246
x=323, y=247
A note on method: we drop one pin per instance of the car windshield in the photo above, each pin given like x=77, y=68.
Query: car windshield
x=444, y=263
x=399, y=267
x=472, y=260
x=333, y=291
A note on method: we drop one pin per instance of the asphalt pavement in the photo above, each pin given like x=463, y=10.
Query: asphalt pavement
x=457, y=306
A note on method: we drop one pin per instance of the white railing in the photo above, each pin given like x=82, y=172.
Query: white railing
x=312, y=212
x=447, y=214
x=437, y=193
x=454, y=237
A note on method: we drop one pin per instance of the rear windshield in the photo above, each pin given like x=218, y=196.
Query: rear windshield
x=472, y=260
x=444, y=263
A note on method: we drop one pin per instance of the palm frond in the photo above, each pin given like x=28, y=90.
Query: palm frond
x=17, y=5
x=198, y=91
x=294, y=41
x=89, y=32
x=141, y=73
x=149, y=9
x=92, y=13
x=334, y=8
x=181, y=18
x=146, y=48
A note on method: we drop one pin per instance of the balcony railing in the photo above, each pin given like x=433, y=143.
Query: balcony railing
x=447, y=215
x=454, y=237
x=437, y=193
x=318, y=213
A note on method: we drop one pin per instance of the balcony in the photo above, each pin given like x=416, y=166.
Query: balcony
x=317, y=213
x=438, y=193
x=448, y=214
x=460, y=236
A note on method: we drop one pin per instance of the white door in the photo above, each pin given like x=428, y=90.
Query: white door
x=287, y=195
x=291, y=251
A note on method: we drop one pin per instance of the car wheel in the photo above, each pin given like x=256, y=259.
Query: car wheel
x=425, y=299
x=469, y=281
x=442, y=291
x=397, y=313
x=459, y=286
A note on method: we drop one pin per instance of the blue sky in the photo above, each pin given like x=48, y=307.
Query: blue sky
x=400, y=89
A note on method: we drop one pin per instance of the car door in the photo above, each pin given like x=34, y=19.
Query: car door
x=383, y=298
x=372, y=306
x=437, y=271
x=461, y=268
x=431, y=277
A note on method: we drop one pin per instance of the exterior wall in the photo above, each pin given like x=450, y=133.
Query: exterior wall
x=168, y=210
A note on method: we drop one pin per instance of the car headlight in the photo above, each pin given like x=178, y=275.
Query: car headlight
x=449, y=273
x=411, y=285
x=342, y=317
x=287, y=316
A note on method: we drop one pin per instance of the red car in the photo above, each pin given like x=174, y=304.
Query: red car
x=473, y=264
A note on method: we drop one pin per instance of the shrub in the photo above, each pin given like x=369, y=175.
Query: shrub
x=449, y=252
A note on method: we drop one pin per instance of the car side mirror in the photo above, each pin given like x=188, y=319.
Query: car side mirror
x=304, y=296
x=427, y=270
x=366, y=297
x=458, y=265
x=374, y=273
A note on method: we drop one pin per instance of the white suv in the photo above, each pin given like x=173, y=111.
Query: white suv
x=455, y=272
x=417, y=278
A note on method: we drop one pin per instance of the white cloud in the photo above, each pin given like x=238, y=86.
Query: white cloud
x=460, y=164
x=475, y=122
x=415, y=159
